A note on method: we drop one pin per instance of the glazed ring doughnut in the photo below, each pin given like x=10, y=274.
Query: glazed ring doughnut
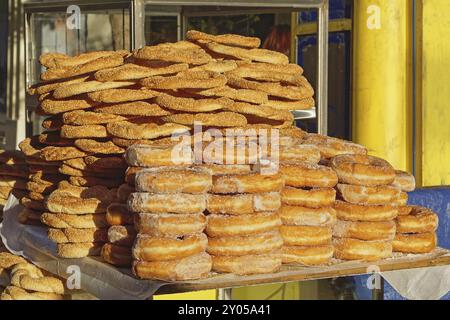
x=402, y=200
x=249, y=183
x=311, y=198
x=404, y=181
x=363, y=170
x=72, y=235
x=16, y=293
x=167, y=203
x=116, y=255
x=303, y=216
x=122, y=235
x=148, y=248
x=356, y=212
x=241, y=225
x=169, y=225
x=78, y=250
x=248, y=264
x=307, y=256
x=227, y=169
x=243, y=203
x=353, y=249
x=245, y=245
x=308, y=175
x=368, y=195
x=155, y=156
x=63, y=221
x=190, y=268
x=306, y=235
x=330, y=147
x=420, y=220
x=173, y=180
x=7, y=260
x=415, y=243
x=123, y=192
x=368, y=231
x=301, y=153
x=404, y=210
x=117, y=214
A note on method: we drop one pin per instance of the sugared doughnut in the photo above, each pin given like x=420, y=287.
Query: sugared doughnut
x=384, y=230
x=154, y=156
x=78, y=250
x=353, y=249
x=248, y=183
x=189, y=268
x=330, y=147
x=305, y=235
x=117, y=214
x=62, y=221
x=245, y=245
x=308, y=175
x=169, y=225
x=116, y=255
x=415, y=243
x=167, y=203
x=225, y=225
x=149, y=248
x=311, y=198
x=307, y=255
x=227, y=169
x=357, y=212
x=404, y=181
x=363, y=170
x=404, y=210
x=243, y=203
x=420, y=220
x=122, y=235
x=173, y=180
x=303, y=216
x=72, y=235
x=130, y=175
x=377, y=195
x=402, y=200
x=248, y=264
x=301, y=153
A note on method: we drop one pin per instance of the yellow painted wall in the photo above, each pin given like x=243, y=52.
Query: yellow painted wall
x=198, y=295
x=381, y=108
x=433, y=145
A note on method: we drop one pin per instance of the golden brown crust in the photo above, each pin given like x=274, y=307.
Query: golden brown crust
x=306, y=235
x=44, y=88
x=7, y=260
x=186, y=80
x=259, y=74
x=251, y=183
x=220, y=119
x=131, y=71
x=229, y=39
x=306, y=103
x=136, y=108
x=404, y=181
x=154, y=156
x=227, y=169
x=72, y=235
x=87, y=87
x=303, y=216
x=58, y=60
x=31, y=147
x=243, y=203
x=420, y=220
x=91, y=146
x=384, y=230
x=39, y=187
x=167, y=203
x=352, y=249
x=61, y=153
x=169, y=225
x=377, y=195
x=219, y=66
x=32, y=204
x=180, y=52
x=311, y=198
x=116, y=255
x=259, y=55
x=138, y=130
x=85, y=131
x=244, y=95
x=248, y=264
x=354, y=212
x=122, y=95
x=308, y=256
x=13, y=182
x=60, y=203
x=53, y=138
x=52, y=106
x=16, y=293
x=63, y=221
x=52, y=123
x=118, y=214
x=122, y=235
x=415, y=243
x=331, y=147
x=78, y=250
x=262, y=112
x=82, y=118
x=192, y=105
x=308, y=175
x=298, y=154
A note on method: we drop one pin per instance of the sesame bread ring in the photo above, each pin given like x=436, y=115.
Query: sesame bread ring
x=130, y=71
x=291, y=68
x=305, y=235
x=404, y=181
x=173, y=180
x=16, y=293
x=248, y=264
x=81, y=118
x=5, y=192
x=420, y=220
x=78, y=250
x=34, y=280
x=58, y=60
x=192, y=105
x=91, y=163
x=311, y=198
x=244, y=95
x=377, y=195
x=228, y=39
x=122, y=235
x=269, y=76
x=154, y=156
x=85, y=131
x=74, y=205
x=31, y=147
x=272, y=88
x=52, y=107
x=243, y=203
x=301, y=153
x=178, y=52
x=53, y=138
x=64, y=221
x=148, y=248
x=308, y=175
x=52, y=123
x=307, y=255
x=94, y=181
x=186, y=79
x=219, y=119
x=219, y=66
x=169, y=225
x=363, y=170
x=32, y=195
x=369, y=231
x=259, y=55
x=240, y=225
x=227, y=169
x=47, y=87
x=282, y=116
x=61, y=153
x=353, y=249
x=165, y=141
x=118, y=214
x=135, y=108
x=122, y=95
x=356, y=212
x=91, y=146
x=331, y=147
x=249, y=183
x=99, y=192
x=116, y=255
x=190, y=268
x=7, y=260
x=306, y=103
x=302, y=216
x=415, y=243
x=72, y=235
x=245, y=245
x=167, y=203
x=88, y=86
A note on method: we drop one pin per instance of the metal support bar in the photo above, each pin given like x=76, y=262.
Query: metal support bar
x=322, y=69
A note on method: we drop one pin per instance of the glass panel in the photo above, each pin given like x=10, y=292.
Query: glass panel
x=160, y=28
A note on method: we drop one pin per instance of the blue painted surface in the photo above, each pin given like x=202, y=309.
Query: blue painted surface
x=437, y=199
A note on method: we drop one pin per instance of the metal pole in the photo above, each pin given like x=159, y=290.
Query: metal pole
x=138, y=22
x=322, y=69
